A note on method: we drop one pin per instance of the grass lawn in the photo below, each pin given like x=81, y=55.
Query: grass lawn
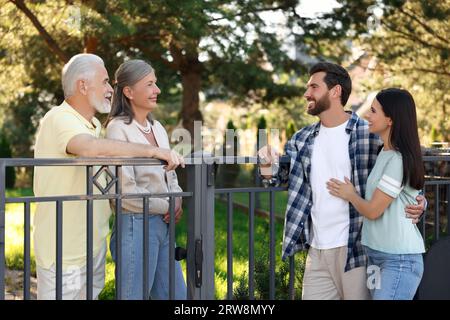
x=14, y=248
x=280, y=201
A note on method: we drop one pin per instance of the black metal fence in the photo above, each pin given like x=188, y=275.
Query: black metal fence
x=435, y=222
x=200, y=197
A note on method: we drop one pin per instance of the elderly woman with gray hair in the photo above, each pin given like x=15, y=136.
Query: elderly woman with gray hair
x=135, y=97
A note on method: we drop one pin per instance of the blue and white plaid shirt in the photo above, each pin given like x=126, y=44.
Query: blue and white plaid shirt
x=363, y=149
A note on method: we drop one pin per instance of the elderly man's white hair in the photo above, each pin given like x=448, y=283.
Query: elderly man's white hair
x=80, y=66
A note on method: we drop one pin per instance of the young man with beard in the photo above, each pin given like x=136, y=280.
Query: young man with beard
x=66, y=131
x=339, y=145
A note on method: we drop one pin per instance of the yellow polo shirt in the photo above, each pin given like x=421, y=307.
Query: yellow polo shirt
x=58, y=126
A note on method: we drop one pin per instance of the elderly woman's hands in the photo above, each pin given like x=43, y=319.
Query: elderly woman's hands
x=178, y=211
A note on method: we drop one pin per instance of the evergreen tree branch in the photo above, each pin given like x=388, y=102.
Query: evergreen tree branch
x=53, y=46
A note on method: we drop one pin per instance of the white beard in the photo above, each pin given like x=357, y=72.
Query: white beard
x=100, y=106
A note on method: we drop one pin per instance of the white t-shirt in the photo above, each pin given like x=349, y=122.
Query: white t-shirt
x=330, y=215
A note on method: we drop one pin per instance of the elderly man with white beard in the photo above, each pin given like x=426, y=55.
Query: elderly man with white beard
x=66, y=131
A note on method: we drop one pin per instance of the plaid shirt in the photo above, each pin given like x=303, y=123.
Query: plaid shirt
x=363, y=148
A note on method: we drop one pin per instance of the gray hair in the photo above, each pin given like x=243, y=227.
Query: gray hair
x=80, y=66
x=128, y=74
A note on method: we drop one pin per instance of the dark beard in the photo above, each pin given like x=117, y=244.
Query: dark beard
x=322, y=105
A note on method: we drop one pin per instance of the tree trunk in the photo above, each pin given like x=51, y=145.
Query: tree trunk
x=90, y=44
x=190, y=110
x=51, y=43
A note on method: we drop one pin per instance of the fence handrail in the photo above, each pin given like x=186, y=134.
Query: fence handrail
x=84, y=197
x=444, y=157
x=116, y=161
x=80, y=161
x=28, y=162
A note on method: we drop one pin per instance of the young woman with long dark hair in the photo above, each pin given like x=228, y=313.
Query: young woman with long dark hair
x=393, y=244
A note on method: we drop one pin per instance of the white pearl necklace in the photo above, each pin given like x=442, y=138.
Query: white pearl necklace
x=147, y=129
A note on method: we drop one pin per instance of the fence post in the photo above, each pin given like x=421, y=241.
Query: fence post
x=208, y=232
x=448, y=209
x=200, y=229
x=2, y=228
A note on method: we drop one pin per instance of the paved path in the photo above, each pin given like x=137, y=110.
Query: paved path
x=14, y=285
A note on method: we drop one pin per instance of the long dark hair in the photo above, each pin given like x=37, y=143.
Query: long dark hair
x=128, y=74
x=398, y=104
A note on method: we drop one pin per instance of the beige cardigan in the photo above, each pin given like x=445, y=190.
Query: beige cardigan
x=143, y=179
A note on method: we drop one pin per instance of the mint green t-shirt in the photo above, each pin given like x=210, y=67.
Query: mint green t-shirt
x=392, y=232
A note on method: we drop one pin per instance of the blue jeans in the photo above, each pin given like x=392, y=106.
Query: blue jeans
x=393, y=276
x=158, y=259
